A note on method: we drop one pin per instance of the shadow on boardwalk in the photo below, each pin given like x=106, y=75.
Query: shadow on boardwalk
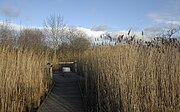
x=65, y=96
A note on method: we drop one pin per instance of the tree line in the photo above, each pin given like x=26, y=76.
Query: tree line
x=55, y=36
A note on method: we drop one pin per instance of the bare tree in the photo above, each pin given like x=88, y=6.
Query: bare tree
x=79, y=44
x=79, y=41
x=165, y=31
x=7, y=34
x=75, y=41
x=171, y=31
x=32, y=38
x=54, y=27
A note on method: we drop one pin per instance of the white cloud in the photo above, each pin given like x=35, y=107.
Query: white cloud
x=166, y=18
x=100, y=28
x=168, y=13
x=138, y=35
x=12, y=25
x=17, y=27
x=29, y=18
x=91, y=33
x=10, y=10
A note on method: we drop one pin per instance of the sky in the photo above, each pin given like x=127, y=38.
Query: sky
x=98, y=15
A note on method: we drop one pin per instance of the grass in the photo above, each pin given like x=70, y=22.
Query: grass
x=23, y=79
x=133, y=79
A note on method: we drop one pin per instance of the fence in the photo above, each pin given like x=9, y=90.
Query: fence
x=83, y=71
x=73, y=65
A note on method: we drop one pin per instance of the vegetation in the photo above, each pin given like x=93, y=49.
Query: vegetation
x=76, y=41
x=127, y=78
x=132, y=79
x=23, y=60
x=24, y=81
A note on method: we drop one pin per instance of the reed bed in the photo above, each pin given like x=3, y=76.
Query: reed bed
x=24, y=81
x=130, y=78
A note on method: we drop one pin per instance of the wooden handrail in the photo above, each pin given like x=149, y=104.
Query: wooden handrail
x=66, y=62
x=71, y=62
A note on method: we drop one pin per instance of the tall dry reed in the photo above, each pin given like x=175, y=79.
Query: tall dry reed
x=23, y=79
x=129, y=78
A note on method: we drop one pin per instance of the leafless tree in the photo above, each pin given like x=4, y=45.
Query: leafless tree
x=54, y=28
x=80, y=42
x=7, y=34
x=32, y=38
x=76, y=41
x=172, y=31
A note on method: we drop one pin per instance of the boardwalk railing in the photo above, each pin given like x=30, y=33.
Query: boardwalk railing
x=49, y=71
x=73, y=63
x=83, y=82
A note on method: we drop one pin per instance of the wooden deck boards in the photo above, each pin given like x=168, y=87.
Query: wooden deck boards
x=65, y=96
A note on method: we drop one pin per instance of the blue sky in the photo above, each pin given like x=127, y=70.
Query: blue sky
x=109, y=15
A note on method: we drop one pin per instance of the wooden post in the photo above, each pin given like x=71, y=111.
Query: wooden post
x=86, y=85
x=51, y=72
x=75, y=66
x=85, y=75
x=48, y=69
x=83, y=69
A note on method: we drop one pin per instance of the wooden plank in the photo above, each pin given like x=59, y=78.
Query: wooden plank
x=65, y=96
x=66, y=62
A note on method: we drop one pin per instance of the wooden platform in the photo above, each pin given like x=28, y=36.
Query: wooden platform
x=65, y=96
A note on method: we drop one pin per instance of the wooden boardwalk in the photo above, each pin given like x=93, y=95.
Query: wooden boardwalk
x=65, y=96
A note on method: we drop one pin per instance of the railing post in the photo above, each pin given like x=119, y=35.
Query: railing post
x=86, y=76
x=86, y=84
x=75, y=66
x=47, y=69
x=51, y=71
